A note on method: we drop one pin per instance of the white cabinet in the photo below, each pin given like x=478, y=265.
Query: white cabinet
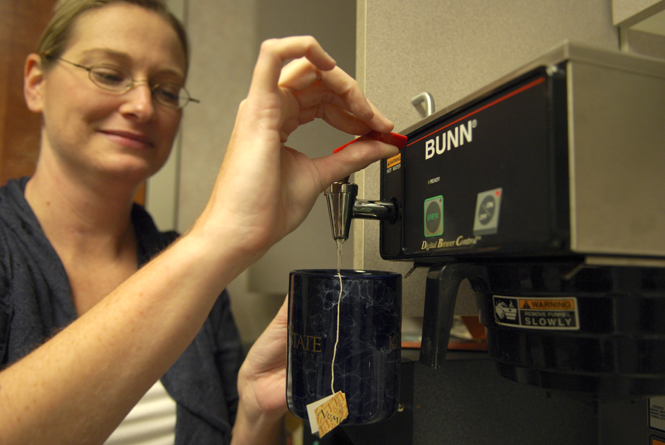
x=641, y=26
x=644, y=15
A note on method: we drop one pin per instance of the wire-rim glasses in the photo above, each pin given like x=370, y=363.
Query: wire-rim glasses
x=118, y=80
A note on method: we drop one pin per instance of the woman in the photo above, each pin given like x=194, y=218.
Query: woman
x=84, y=330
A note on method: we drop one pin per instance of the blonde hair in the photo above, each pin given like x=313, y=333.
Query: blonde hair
x=56, y=36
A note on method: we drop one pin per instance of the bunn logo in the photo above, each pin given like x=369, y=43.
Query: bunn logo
x=452, y=138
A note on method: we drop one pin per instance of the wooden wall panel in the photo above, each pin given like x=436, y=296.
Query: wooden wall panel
x=21, y=22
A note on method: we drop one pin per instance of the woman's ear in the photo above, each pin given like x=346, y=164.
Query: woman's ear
x=33, y=82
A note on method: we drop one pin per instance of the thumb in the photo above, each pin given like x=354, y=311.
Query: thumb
x=353, y=158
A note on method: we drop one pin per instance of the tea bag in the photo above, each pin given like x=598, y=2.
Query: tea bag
x=327, y=413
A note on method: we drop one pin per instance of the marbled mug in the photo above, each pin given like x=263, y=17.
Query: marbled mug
x=368, y=355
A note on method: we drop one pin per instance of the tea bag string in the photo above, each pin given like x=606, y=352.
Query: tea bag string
x=339, y=303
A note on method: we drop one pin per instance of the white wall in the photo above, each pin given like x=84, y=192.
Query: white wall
x=225, y=37
x=311, y=246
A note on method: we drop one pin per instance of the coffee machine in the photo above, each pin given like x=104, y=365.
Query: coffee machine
x=545, y=191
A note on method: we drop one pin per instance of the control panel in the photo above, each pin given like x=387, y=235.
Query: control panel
x=488, y=178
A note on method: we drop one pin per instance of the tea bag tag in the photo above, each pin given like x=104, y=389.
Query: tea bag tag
x=325, y=414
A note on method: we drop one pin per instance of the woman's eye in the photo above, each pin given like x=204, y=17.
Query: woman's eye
x=169, y=93
x=109, y=76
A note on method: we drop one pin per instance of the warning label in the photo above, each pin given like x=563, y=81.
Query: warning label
x=537, y=313
x=394, y=161
x=657, y=413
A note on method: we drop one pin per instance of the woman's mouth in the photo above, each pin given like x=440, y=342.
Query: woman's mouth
x=129, y=139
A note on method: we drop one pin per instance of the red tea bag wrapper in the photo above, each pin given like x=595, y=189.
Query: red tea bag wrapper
x=398, y=140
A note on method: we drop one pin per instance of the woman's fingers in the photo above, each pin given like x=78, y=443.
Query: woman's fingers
x=343, y=120
x=331, y=103
x=315, y=90
x=276, y=52
x=352, y=159
x=298, y=75
x=311, y=86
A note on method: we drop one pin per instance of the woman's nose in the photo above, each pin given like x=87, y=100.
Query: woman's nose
x=139, y=101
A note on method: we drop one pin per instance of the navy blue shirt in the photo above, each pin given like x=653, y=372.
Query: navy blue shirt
x=36, y=302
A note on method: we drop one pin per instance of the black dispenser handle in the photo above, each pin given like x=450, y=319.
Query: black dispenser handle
x=443, y=281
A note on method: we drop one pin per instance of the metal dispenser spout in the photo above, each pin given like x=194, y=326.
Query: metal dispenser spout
x=343, y=206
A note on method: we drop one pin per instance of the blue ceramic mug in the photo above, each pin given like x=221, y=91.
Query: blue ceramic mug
x=368, y=354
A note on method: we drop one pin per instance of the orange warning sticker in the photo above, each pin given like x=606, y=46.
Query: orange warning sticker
x=655, y=441
x=566, y=304
x=394, y=161
x=537, y=313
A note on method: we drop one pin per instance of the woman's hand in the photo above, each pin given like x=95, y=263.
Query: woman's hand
x=262, y=386
x=262, y=377
x=266, y=189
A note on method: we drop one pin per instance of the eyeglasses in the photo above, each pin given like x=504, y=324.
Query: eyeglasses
x=118, y=80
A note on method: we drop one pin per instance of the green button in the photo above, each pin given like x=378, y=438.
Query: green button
x=433, y=216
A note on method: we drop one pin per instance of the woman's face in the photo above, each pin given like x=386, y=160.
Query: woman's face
x=93, y=131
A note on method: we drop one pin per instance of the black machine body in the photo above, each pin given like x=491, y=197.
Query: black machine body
x=544, y=190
